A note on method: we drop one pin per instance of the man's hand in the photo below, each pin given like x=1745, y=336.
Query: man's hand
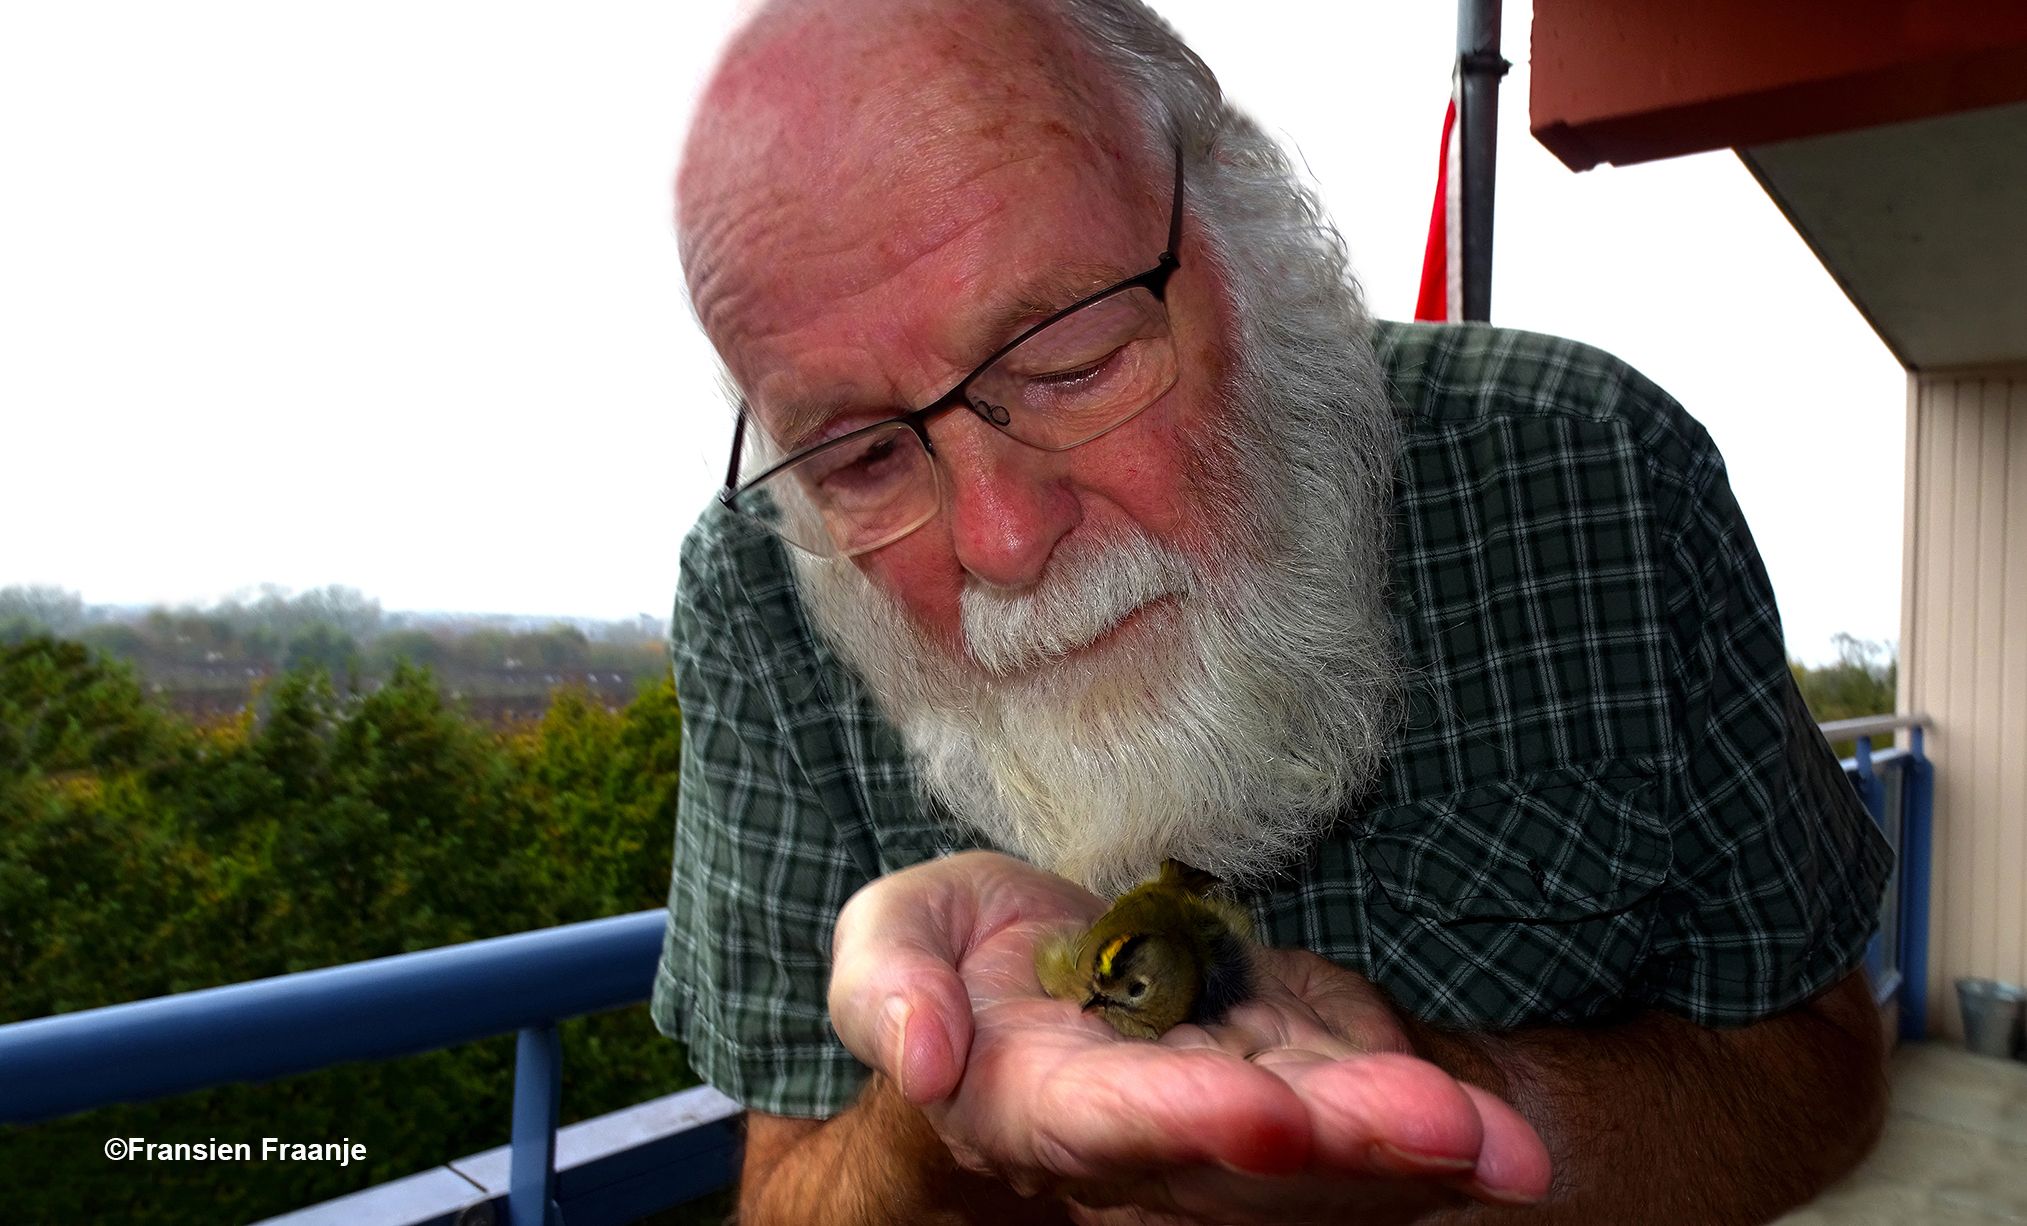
x=1305, y=1103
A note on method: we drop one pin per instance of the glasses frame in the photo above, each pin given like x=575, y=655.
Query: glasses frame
x=1154, y=280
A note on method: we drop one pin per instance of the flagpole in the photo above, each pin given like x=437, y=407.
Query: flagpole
x=1479, y=68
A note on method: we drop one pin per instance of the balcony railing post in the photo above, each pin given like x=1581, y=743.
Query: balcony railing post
x=1918, y=793
x=1872, y=794
x=1870, y=790
x=1914, y=828
x=538, y=1097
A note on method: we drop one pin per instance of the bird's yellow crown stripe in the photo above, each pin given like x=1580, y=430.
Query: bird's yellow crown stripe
x=1110, y=952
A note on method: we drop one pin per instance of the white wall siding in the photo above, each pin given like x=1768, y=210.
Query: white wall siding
x=1964, y=664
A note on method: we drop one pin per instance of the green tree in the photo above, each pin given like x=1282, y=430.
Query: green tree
x=413, y=646
x=27, y=611
x=321, y=645
x=605, y=786
x=560, y=646
x=141, y=855
x=1863, y=681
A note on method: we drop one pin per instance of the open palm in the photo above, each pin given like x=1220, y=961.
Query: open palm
x=1304, y=1104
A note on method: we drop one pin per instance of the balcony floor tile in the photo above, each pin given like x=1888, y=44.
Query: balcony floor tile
x=1954, y=1152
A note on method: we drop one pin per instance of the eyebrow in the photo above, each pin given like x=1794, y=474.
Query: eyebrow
x=1041, y=296
x=800, y=420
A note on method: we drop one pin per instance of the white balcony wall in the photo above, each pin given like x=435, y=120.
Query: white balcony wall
x=1964, y=664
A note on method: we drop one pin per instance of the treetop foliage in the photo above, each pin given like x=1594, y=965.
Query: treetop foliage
x=208, y=661
x=1863, y=681
x=141, y=854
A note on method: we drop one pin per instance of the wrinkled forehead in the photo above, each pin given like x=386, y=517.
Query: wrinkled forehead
x=839, y=142
x=833, y=91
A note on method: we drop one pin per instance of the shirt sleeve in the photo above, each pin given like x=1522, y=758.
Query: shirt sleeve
x=1778, y=869
x=760, y=869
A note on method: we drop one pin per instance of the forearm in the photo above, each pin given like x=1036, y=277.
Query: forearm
x=875, y=1163
x=1661, y=1121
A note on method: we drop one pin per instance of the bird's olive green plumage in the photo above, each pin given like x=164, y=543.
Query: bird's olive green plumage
x=1168, y=951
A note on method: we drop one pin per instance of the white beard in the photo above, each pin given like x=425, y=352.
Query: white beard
x=1253, y=698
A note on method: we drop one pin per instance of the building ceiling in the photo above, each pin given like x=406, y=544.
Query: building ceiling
x=1923, y=223
x=1626, y=81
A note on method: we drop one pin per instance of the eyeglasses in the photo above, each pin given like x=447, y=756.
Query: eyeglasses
x=1085, y=370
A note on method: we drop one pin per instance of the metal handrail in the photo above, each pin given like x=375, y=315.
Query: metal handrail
x=1870, y=725
x=290, y=1024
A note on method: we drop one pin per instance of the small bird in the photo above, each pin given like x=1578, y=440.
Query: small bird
x=1168, y=951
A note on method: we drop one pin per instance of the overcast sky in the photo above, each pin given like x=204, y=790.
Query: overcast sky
x=385, y=294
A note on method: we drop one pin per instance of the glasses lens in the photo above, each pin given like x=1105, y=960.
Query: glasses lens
x=1082, y=375
x=862, y=491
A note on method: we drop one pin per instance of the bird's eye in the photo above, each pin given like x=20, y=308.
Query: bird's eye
x=1138, y=988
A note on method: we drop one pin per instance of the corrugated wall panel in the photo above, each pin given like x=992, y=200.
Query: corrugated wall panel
x=2012, y=684
x=1981, y=528
x=1964, y=663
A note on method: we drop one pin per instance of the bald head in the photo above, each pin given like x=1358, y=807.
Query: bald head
x=846, y=79
x=886, y=108
x=844, y=142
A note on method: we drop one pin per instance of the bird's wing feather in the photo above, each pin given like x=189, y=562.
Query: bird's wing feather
x=1056, y=965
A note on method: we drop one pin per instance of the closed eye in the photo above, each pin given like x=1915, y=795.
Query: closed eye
x=1063, y=378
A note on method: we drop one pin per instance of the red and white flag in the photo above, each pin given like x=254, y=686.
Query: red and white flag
x=1442, y=296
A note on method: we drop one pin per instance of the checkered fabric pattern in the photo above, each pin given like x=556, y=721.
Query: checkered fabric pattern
x=1607, y=794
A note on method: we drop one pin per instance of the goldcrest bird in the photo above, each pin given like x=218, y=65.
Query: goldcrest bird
x=1168, y=951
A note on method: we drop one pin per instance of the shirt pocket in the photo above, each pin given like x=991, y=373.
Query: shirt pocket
x=1531, y=901
x=1555, y=847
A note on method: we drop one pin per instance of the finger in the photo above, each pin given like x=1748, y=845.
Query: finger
x=1105, y=1110
x=1272, y=1027
x=905, y=1012
x=897, y=999
x=895, y=996
x=1354, y=1009
x=1513, y=1163
x=1389, y=1114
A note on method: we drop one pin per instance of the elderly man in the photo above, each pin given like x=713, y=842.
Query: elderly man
x=1078, y=517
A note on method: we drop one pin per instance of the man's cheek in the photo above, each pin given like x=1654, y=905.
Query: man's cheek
x=921, y=572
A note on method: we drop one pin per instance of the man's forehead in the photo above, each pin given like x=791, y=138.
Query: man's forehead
x=811, y=178
x=818, y=110
x=857, y=87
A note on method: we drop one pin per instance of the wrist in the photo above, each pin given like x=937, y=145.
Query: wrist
x=1472, y=1057
x=925, y=1182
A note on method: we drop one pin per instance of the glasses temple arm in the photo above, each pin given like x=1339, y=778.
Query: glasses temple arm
x=1175, y=217
x=738, y=442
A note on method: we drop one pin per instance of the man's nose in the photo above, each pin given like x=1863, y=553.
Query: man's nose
x=1009, y=503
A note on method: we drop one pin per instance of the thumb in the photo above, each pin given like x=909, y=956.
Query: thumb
x=912, y=1023
x=895, y=996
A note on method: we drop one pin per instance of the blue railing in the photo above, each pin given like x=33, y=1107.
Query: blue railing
x=377, y=1010
x=664, y=1152
x=1898, y=788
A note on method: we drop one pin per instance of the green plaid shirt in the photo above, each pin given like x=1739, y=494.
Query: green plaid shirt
x=1607, y=794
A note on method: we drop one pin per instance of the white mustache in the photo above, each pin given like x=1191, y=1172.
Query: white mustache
x=1084, y=593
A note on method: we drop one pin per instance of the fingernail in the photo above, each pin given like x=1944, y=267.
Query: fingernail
x=1504, y=1196
x=895, y=1014
x=1404, y=1162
